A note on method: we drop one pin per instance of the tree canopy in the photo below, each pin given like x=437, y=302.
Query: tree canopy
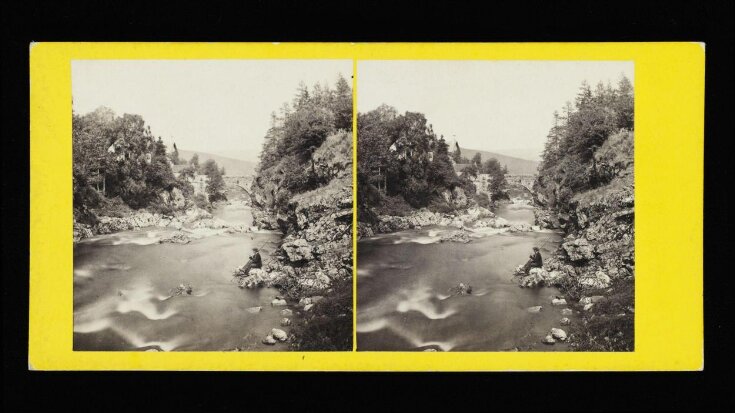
x=117, y=156
x=568, y=165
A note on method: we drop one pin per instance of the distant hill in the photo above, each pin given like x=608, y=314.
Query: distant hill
x=516, y=166
x=236, y=167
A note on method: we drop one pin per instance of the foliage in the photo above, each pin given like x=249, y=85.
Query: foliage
x=201, y=201
x=402, y=155
x=327, y=326
x=117, y=156
x=215, y=183
x=609, y=325
x=498, y=183
x=307, y=145
x=569, y=165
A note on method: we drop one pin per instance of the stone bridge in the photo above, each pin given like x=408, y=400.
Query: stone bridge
x=524, y=180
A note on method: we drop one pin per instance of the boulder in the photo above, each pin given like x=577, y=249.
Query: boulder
x=279, y=334
x=459, y=198
x=344, y=203
x=455, y=236
x=597, y=280
x=308, y=307
x=549, y=339
x=278, y=302
x=592, y=299
x=535, y=309
x=287, y=312
x=285, y=322
x=579, y=250
x=176, y=238
x=254, y=310
x=310, y=300
x=559, y=334
x=536, y=277
x=81, y=231
x=269, y=340
x=565, y=321
x=566, y=311
x=298, y=250
x=588, y=307
x=558, y=301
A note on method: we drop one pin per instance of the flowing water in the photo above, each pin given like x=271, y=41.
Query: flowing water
x=405, y=300
x=123, y=284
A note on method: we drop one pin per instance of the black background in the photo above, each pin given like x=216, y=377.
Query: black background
x=709, y=22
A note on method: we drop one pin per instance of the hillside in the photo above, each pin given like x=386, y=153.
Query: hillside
x=516, y=166
x=234, y=167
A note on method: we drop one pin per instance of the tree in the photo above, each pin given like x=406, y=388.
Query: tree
x=194, y=162
x=342, y=106
x=117, y=156
x=305, y=130
x=470, y=171
x=477, y=159
x=498, y=183
x=568, y=163
x=215, y=183
x=175, y=155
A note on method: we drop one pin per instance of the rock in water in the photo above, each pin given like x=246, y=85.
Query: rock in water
x=535, y=309
x=565, y=321
x=279, y=334
x=278, y=302
x=559, y=334
x=269, y=340
x=455, y=236
x=536, y=277
x=176, y=238
x=549, y=340
x=286, y=312
x=566, y=311
x=558, y=301
x=254, y=310
x=285, y=322
x=593, y=299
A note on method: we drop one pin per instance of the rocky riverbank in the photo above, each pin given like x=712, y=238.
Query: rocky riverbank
x=314, y=261
x=473, y=218
x=594, y=266
x=189, y=219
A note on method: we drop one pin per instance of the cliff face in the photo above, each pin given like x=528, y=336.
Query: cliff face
x=599, y=244
x=313, y=266
x=317, y=246
x=598, y=247
x=595, y=264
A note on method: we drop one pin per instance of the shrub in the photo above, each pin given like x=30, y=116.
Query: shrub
x=328, y=325
x=201, y=201
x=482, y=200
x=394, y=205
x=113, y=207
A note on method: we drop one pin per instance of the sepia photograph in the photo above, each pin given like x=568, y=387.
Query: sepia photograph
x=495, y=206
x=212, y=205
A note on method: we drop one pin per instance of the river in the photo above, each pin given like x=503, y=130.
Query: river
x=404, y=295
x=123, y=281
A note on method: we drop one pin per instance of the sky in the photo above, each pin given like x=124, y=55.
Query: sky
x=498, y=106
x=215, y=106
